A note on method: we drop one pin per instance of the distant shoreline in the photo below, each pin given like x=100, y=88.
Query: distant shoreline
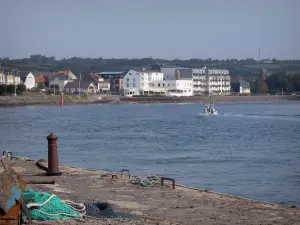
x=12, y=101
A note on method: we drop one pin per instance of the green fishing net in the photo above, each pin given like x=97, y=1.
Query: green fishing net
x=54, y=209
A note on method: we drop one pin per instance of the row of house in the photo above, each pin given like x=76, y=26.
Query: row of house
x=176, y=81
x=9, y=79
x=171, y=81
x=28, y=79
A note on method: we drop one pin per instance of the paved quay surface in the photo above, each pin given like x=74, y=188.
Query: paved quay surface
x=153, y=205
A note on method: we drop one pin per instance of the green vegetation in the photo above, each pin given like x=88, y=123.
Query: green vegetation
x=21, y=88
x=283, y=82
x=242, y=67
x=260, y=87
x=11, y=89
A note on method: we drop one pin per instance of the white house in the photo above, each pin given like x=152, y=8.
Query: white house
x=2, y=78
x=17, y=80
x=241, y=87
x=28, y=80
x=82, y=87
x=101, y=84
x=9, y=79
x=138, y=82
x=60, y=80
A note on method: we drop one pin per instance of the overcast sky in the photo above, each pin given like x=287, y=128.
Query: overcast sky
x=151, y=28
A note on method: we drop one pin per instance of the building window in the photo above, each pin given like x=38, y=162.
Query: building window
x=129, y=73
x=127, y=79
x=158, y=85
x=133, y=85
x=169, y=85
x=133, y=79
x=127, y=85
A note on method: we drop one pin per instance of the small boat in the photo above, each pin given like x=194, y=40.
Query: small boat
x=209, y=109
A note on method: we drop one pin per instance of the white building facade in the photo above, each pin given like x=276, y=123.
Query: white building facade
x=9, y=79
x=140, y=82
x=211, y=81
x=174, y=87
x=178, y=81
x=29, y=81
x=154, y=82
x=2, y=78
x=61, y=81
x=17, y=80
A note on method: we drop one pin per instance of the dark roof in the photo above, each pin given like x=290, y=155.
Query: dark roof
x=75, y=84
x=243, y=81
x=23, y=74
x=111, y=73
x=62, y=77
x=147, y=70
x=90, y=77
x=185, y=73
x=48, y=74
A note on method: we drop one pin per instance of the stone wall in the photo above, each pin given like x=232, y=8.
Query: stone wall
x=205, y=99
x=45, y=100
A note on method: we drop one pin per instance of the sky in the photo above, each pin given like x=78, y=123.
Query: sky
x=166, y=29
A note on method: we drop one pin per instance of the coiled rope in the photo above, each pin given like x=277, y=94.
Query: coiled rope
x=148, y=181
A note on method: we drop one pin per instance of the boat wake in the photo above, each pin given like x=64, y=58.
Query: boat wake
x=207, y=114
x=254, y=116
x=259, y=116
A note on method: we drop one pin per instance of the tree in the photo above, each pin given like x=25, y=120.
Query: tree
x=10, y=88
x=295, y=80
x=290, y=87
x=2, y=89
x=40, y=85
x=261, y=87
x=21, y=88
x=278, y=81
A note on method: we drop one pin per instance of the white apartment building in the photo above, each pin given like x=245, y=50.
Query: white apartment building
x=211, y=81
x=174, y=87
x=153, y=82
x=178, y=81
x=138, y=82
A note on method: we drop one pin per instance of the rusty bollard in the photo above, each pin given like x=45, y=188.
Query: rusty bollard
x=53, y=169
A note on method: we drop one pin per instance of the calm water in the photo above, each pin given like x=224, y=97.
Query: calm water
x=250, y=149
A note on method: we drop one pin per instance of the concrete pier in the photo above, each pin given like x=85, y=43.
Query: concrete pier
x=154, y=205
